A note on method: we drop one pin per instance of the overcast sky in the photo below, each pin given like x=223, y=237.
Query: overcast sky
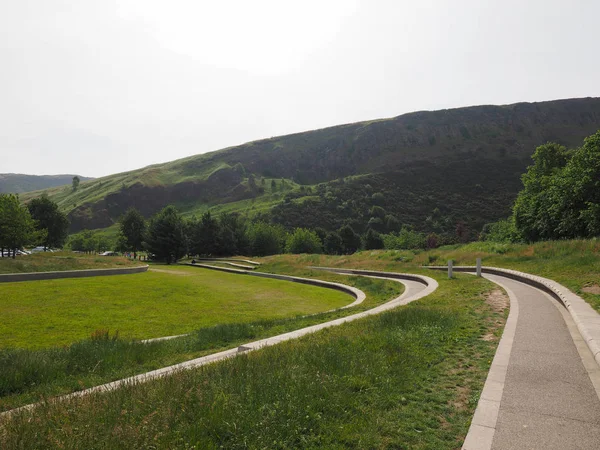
x=99, y=87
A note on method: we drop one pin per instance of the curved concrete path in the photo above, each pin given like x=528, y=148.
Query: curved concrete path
x=543, y=388
x=416, y=287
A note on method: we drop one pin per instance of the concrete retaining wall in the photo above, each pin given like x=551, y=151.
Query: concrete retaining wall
x=15, y=277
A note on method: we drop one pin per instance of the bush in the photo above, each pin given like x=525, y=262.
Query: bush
x=303, y=240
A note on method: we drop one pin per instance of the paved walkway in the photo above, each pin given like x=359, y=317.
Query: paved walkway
x=550, y=393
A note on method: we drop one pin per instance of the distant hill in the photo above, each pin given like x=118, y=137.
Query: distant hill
x=17, y=183
x=430, y=170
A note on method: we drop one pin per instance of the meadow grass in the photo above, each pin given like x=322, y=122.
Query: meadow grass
x=59, y=261
x=573, y=263
x=30, y=375
x=409, y=378
x=162, y=302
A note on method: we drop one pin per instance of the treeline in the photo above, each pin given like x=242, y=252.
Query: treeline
x=40, y=223
x=168, y=237
x=560, y=198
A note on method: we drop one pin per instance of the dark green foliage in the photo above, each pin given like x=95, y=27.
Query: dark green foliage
x=406, y=239
x=501, y=231
x=333, y=244
x=266, y=239
x=205, y=238
x=17, y=228
x=350, y=240
x=561, y=193
x=233, y=235
x=132, y=229
x=166, y=236
x=53, y=223
x=372, y=240
x=75, y=183
x=302, y=240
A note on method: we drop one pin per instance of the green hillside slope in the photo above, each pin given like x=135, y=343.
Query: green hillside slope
x=17, y=183
x=428, y=169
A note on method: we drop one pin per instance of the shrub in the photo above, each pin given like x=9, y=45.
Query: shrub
x=303, y=240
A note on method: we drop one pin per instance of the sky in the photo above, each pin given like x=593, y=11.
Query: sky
x=96, y=87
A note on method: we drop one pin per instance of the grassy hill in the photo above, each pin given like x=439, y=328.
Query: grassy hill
x=17, y=183
x=427, y=169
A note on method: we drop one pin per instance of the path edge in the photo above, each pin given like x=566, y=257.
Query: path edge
x=35, y=276
x=584, y=316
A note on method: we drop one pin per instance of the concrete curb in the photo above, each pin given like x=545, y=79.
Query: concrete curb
x=33, y=276
x=356, y=293
x=239, y=260
x=407, y=297
x=584, y=316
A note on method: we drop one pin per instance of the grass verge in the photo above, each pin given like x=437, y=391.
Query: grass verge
x=28, y=376
x=408, y=378
x=59, y=261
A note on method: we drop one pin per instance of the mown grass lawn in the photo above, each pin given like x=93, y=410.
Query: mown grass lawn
x=409, y=378
x=164, y=301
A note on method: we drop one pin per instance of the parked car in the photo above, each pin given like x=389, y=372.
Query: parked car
x=109, y=254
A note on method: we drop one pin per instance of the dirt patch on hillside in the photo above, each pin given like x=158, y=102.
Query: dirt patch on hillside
x=593, y=289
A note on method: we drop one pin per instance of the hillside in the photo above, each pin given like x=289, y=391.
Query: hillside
x=17, y=183
x=427, y=169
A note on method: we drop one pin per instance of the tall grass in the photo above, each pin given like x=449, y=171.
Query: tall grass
x=406, y=379
x=30, y=375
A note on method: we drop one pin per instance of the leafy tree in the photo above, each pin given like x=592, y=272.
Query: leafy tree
x=350, y=240
x=303, y=240
x=75, y=183
x=233, y=232
x=205, y=237
x=333, y=244
x=166, y=235
x=432, y=240
x=372, y=240
x=266, y=239
x=132, y=230
x=501, y=231
x=561, y=193
x=48, y=217
x=535, y=209
x=17, y=228
x=406, y=239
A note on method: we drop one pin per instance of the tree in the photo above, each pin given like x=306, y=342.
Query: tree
x=266, y=239
x=17, y=228
x=350, y=240
x=561, y=193
x=204, y=238
x=75, y=183
x=333, y=244
x=166, y=237
x=372, y=240
x=233, y=233
x=49, y=218
x=303, y=240
x=132, y=230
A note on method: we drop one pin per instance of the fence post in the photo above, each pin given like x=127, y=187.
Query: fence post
x=449, y=268
x=478, y=267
